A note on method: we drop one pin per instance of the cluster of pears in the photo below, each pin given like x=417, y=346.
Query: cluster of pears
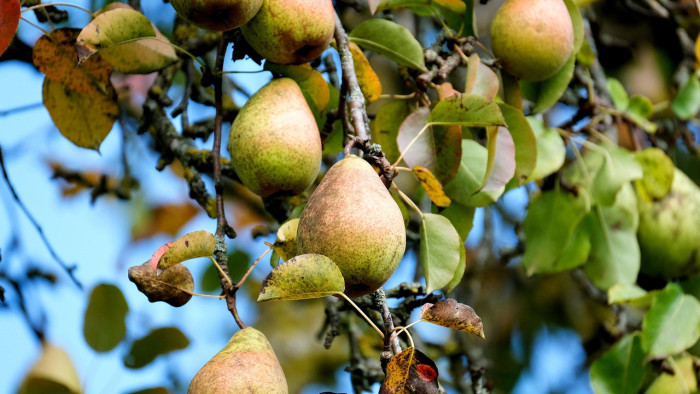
x=533, y=38
x=282, y=31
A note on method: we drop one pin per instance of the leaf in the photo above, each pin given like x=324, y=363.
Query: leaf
x=237, y=262
x=302, y=277
x=410, y=372
x=432, y=187
x=151, y=390
x=314, y=88
x=195, y=244
x=686, y=104
x=470, y=110
x=391, y=40
x=156, y=343
x=639, y=110
x=173, y=286
x=104, y=326
x=451, y=314
x=671, y=324
x=577, y=22
x=456, y=6
x=53, y=372
x=461, y=217
x=448, y=151
x=618, y=94
x=481, y=79
x=500, y=164
x=422, y=151
x=439, y=250
x=524, y=140
x=85, y=119
x=163, y=219
x=461, y=268
x=681, y=379
x=9, y=20
x=657, y=173
x=551, y=151
x=546, y=93
x=369, y=82
x=551, y=221
x=385, y=127
x=286, y=243
x=620, y=293
x=465, y=185
x=620, y=370
x=419, y=7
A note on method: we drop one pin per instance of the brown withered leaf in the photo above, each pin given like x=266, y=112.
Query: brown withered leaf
x=451, y=314
x=171, y=286
x=410, y=371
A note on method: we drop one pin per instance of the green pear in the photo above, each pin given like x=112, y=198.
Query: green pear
x=291, y=31
x=274, y=143
x=533, y=38
x=220, y=15
x=352, y=219
x=669, y=230
x=247, y=364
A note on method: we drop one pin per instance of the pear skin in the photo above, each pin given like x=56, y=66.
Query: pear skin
x=533, y=38
x=274, y=143
x=291, y=31
x=247, y=364
x=352, y=219
x=219, y=15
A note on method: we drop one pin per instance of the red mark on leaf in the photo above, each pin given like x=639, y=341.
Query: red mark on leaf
x=426, y=372
x=9, y=19
x=158, y=254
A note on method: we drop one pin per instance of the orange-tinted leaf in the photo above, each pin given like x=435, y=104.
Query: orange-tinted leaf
x=84, y=118
x=369, y=82
x=481, y=79
x=164, y=219
x=451, y=314
x=446, y=90
x=173, y=286
x=410, y=371
x=57, y=57
x=195, y=244
x=432, y=187
x=9, y=20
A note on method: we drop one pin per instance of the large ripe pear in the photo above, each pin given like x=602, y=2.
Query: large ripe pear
x=352, y=219
x=274, y=142
x=291, y=31
x=669, y=230
x=219, y=15
x=533, y=38
x=247, y=364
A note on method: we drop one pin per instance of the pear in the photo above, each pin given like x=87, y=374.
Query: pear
x=352, y=219
x=274, y=143
x=291, y=31
x=219, y=15
x=247, y=364
x=669, y=230
x=533, y=38
x=52, y=373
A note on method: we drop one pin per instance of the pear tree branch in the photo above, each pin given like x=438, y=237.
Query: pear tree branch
x=356, y=110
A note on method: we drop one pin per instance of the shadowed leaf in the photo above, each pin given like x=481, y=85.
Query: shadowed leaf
x=172, y=286
x=471, y=110
x=157, y=342
x=546, y=93
x=481, y=79
x=302, y=277
x=195, y=244
x=500, y=164
x=451, y=314
x=410, y=371
x=104, y=325
x=524, y=140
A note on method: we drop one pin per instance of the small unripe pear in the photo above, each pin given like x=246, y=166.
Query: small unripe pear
x=533, y=38
x=274, y=143
x=669, y=230
x=352, y=219
x=247, y=364
x=220, y=15
x=291, y=31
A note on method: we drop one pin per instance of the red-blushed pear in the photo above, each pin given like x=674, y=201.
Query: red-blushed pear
x=352, y=219
x=247, y=364
x=219, y=15
x=291, y=31
x=274, y=143
x=533, y=38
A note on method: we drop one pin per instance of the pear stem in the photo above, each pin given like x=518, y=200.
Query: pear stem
x=408, y=200
x=222, y=273
x=408, y=334
x=35, y=7
x=356, y=101
x=381, y=334
x=240, y=283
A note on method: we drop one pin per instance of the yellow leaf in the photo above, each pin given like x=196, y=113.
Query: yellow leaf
x=456, y=6
x=286, y=243
x=310, y=81
x=191, y=245
x=697, y=47
x=369, y=81
x=432, y=187
x=84, y=118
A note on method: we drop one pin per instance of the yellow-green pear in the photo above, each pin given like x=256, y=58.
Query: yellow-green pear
x=669, y=230
x=291, y=31
x=220, y=15
x=274, y=143
x=533, y=38
x=52, y=373
x=247, y=364
x=352, y=219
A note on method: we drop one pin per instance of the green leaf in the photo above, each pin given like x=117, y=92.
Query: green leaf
x=464, y=188
x=470, y=110
x=237, y=262
x=640, y=106
x=302, y=277
x=682, y=379
x=461, y=217
x=577, y=22
x=524, y=139
x=657, y=173
x=151, y=390
x=104, y=326
x=461, y=267
x=157, y=342
x=500, y=162
x=620, y=293
x=391, y=40
x=671, y=324
x=620, y=369
x=439, y=250
x=385, y=127
x=448, y=151
x=686, y=104
x=546, y=93
x=549, y=225
x=420, y=7
x=618, y=94
x=551, y=151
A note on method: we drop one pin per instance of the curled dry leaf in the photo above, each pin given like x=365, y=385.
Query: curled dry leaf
x=192, y=245
x=451, y=314
x=410, y=371
x=173, y=286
